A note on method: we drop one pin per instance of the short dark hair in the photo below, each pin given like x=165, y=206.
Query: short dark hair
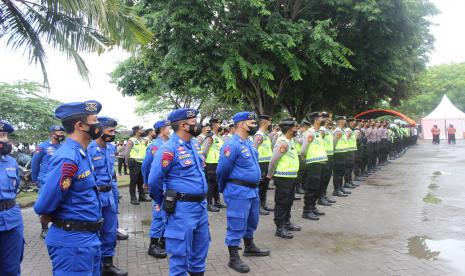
x=176, y=125
x=68, y=123
x=286, y=128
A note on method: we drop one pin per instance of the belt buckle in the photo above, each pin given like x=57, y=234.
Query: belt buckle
x=182, y=195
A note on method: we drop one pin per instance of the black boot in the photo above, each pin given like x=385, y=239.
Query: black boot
x=282, y=232
x=310, y=216
x=235, y=261
x=345, y=191
x=292, y=227
x=143, y=198
x=323, y=201
x=196, y=273
x=266, y=207
x=339, y=194
x=155, y=249
x=219, y=205
x=250, y=249
x=330, y=200
x=263, y=212
x=212, y=208
x=134, y=201
x=110, y=270
x=44, y=231
x=318, y=212
x=121, y=236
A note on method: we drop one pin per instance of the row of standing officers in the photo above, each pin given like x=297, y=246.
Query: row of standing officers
x=79, y=195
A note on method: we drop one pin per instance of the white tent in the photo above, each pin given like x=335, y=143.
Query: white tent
x=444, y=114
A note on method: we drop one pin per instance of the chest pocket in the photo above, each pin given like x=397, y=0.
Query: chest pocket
x=98, y=161
x=245, y=153
x=12, y=181
x=187, y=163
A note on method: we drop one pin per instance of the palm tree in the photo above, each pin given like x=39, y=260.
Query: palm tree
x=71, y=26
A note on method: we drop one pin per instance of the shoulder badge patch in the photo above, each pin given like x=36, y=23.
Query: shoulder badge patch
x=227, y=151
x=166, y=158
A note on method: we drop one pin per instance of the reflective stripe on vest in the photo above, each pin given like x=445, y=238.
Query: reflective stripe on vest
x=288, y=164
x=316, y=151
x=341, y=145
x=138, y=150
x=329, y=147
x=264, y=150
x=213, y=154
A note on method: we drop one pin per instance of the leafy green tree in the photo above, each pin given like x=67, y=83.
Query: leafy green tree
x=25, y=105
x=70, y=26
x=436, y=81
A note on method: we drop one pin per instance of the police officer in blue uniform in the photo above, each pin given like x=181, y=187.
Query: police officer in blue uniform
x=157, y=241
x=69, y=198
x=102, y=154
x=11, y=222
x=238, y=175
x=40, y=159
x=177, y=179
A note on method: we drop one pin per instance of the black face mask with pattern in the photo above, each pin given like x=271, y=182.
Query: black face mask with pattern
x=95, y=130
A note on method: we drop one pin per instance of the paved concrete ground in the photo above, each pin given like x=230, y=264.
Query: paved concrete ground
x=407, y=219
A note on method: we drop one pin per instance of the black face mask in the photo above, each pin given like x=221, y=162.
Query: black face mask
x=220, y=129
x=270, y=128
x=108, y=138
x=252, y=130
x=195, y=129
x=59, y=137
x=95, y=130
x=5, y=148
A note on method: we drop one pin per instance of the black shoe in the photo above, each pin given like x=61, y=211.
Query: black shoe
x=196, y=273
x=266, y=208
x=110, y=270
x=365, y=175
x=250, y=249
x=235, y=261
x=270, y=188
x=322, y=201
x=348, y=186
x=156, y=250
x=354, y=184
x=212, y=208
x=358, y=178
x=318, y=212
x=134, y=201
x=297, y=198
x=263, y=212
x=300, y=192
x=345, y=191
x=219, y=205
x=330, y=200
x=339, y=194
x=310, y=216
x=283, y=233
x=144, y=198
x=121, y=236
x=292, y=227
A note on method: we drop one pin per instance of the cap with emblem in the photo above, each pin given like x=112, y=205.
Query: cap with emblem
x=56, y=128
x=182, y=114
x=288, y=122
x=340, y=118
x=134, y=128
x=67, y=110
x=244, y=116
x=6, y=127
x=161, y=123
x=107, y=121
x=315, y=115
x=325, y=114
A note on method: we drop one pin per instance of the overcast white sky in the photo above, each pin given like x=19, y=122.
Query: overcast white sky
x=67, y=85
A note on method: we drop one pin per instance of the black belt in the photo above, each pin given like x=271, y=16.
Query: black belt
x=190, y=197
x=104, y=188
x=80, y=226
x=7, y=204
x=243, y=183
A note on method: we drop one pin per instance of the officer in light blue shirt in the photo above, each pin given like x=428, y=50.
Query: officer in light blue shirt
x=69, y=198
x=102, y=154
x=177, y=179
x=11, y=222
x=157, y=241
x=238, y=175
x=39, y=164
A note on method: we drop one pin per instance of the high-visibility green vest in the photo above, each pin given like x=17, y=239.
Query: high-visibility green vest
x=391, y=134
x=213, y=154
x=298, y=147
x=329, y=147
x=352, y=142
x=316, y=151
x=138, y=149
x=341, y=145
x=288, y=164
x=264, y=150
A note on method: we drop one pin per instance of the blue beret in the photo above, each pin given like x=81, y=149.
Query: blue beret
x=6, y=127
x=243, y=116
x=107, y=121
x=182, y=114
x=56, y=128
x=67, y=110
x=161, y=123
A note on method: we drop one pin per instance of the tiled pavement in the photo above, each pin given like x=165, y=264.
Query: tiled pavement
x=384, y=228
